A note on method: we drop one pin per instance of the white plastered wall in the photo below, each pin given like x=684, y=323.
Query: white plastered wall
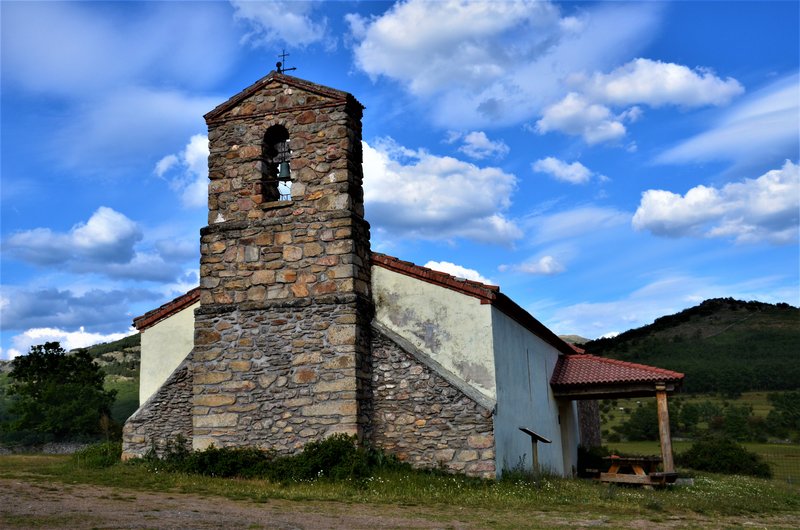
x=454, y=329
x=164, y=345
x=524, y=364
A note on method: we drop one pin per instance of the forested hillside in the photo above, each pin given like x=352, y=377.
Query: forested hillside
x=723, y=346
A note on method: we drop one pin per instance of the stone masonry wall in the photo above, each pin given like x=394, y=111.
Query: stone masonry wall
x=163, y=417
x=422, y=419
x=287, y=375
x=589, y=422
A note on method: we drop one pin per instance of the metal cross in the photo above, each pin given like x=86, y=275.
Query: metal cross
x=279, y=64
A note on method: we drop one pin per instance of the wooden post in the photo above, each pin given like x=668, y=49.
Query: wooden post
x=535, y=454
x=663, y=428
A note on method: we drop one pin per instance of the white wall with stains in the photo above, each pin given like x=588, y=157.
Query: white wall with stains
x=164, y=345
x=523, y=366
x=454, y=329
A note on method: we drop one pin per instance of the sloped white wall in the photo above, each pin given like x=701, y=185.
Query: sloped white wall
x=454, y=329
x=164, y=346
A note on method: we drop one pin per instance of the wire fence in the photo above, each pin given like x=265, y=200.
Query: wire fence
x=783, y=460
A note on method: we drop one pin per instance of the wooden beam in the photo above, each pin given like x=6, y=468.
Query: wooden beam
x=663, y=428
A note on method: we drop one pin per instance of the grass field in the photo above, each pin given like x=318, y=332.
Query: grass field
x=783, y=459
x=127, y=400
x=506, y=503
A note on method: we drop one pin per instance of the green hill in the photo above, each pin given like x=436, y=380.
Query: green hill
x=723, y=346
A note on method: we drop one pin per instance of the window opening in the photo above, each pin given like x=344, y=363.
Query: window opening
x=276, y=178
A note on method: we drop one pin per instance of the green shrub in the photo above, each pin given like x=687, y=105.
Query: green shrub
x=721, y=455
x=591, y=459
x=335, y=458
x=99, y=455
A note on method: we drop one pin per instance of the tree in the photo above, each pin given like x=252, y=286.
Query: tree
x=784, y=418
x=58, y=393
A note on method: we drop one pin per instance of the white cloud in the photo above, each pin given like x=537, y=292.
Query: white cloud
x=273, y=22
x=105, y=244
x=754, y=210
x=657, y=83
x=495, y=63
x=458, y=271
x=417, y=194
x=545, y=265
x=578, y=116
x=586, y=111
x=69, y=339
x=761, y=127
x=107, y=236
x=574, y=173
x=190, y=180
x=477, y=145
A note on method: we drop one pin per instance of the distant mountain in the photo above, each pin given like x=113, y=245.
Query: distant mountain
x=574, y=339
x=722, y=345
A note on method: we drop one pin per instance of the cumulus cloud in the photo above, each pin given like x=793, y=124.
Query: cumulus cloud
x=578, y=116
x=69, y=339
x=477, y=145
x=656, y=83
x=490, y=63
x=458, y=271
x=750, y=211
x=108, y=236
x=574, y=173
x=761, y=127
x=587, y=110
x=417, y=194
x=105, y=244
x=273, y=22
x=187, y=172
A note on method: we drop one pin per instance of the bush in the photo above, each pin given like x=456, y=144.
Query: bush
x=590, y=460
x=99, y=455
x=335, y=458
x=720, y=455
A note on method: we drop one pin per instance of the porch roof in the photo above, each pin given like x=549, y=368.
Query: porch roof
x=584, y=376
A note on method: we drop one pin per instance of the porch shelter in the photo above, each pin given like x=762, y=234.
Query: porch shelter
x=583, y=376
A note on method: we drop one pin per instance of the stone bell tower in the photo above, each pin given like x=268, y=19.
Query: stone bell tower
x=282, y=332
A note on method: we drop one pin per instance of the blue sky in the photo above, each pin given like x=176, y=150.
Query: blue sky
x=604, y=163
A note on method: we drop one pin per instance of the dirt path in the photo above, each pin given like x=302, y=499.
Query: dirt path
x=54, y=505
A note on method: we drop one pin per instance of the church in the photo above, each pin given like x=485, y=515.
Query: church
x=299, y=331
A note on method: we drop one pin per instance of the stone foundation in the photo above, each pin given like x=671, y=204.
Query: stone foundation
x=164, y=417
x=422, y=419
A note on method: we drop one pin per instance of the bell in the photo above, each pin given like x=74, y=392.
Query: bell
x=283, y=171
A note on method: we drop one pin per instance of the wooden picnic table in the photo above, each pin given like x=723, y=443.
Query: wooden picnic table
x=641, y=470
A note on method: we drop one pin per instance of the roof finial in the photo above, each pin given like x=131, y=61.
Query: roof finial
x=279, y=64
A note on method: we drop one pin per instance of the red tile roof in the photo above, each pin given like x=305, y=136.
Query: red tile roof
x=580, y=370
x=170, y=308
